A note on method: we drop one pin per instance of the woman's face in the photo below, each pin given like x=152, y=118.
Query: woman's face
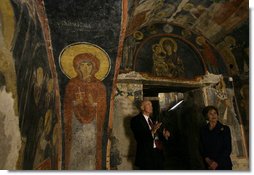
x=212, y=116
x=86, y=68
x=168, y=49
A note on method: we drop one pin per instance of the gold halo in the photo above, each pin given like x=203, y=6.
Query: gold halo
x=230, y=40
x=168, y=28
x=138, y=35
x=69, y=52
x=188, y=6
x=171, y=40
x=200, y=40
x=151, y=29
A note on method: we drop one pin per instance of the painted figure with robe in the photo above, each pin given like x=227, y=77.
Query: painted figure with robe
x=84, y=115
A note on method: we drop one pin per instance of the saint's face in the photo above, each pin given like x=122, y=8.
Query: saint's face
x=86, y=68
x=168, y=49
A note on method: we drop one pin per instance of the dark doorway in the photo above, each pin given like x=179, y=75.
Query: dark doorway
x=183, y=122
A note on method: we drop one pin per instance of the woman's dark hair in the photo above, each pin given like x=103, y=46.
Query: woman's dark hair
x=209, y=108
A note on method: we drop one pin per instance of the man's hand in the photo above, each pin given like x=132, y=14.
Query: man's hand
x=155, y=127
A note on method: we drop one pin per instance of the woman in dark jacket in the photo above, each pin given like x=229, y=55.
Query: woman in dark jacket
x=216, y=142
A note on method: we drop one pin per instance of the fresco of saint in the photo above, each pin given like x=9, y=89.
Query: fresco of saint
x=84, y=115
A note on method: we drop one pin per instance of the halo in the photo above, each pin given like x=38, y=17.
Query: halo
x=168, y=28
x=171, y=40
x=200, y=40
x=188, y=6
x=186, y=33
x=230, y=40
x=69, y=52
x=138, y=35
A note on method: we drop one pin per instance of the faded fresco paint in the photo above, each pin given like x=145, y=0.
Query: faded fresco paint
x=84, y=105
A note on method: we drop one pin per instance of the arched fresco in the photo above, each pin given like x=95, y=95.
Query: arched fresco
x=206, y=38
x=168, y=61
x=167, y=50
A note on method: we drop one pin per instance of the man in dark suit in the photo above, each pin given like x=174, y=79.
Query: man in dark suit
x=149, y=153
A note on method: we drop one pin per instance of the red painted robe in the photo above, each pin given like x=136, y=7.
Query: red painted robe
x=85, y=112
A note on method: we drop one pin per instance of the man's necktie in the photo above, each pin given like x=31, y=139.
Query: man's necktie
x=150, y=122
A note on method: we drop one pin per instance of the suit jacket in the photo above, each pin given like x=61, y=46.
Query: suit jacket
x=144, y=141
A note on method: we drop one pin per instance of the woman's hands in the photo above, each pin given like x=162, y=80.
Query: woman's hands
x=212, y=165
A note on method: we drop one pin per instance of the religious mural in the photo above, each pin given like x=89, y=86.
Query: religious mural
x=165, y=59
x=10, y=139
x=166, y=50
x=84, y=104
x=71, y=79
x=85, y=44
x=39, y=121
x=208, y=17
